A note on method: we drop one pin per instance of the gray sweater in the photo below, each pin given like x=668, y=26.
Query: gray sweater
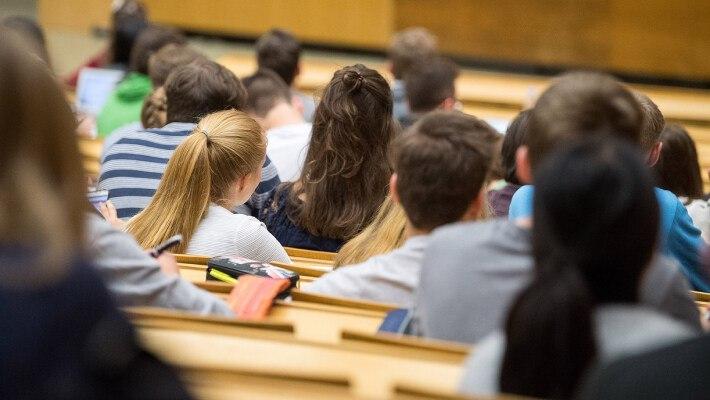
x=472, y=271
x=620, y=331
x=135, y=279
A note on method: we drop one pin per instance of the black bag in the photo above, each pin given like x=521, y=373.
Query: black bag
x=237, y=266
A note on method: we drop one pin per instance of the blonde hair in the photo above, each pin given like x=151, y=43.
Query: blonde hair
x=384, y=234
x=225, y=146
x=42, y=188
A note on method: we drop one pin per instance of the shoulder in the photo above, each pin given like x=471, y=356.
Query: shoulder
x=618, y=333
x=473, y=237
x=482, y=368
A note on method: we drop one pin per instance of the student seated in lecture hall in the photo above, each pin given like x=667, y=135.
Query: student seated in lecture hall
x=582, y=305
x=123, y=105
x=153, y=110
x=495, y=256
x=128, y=19
x=407, y=47
x=271, y=103
x=678, y=171
x=430, y=86
x=499, y=199
x=680, y=239
x=279, y=51
x=133, y=167
x=441, y=167
x=215, y=169
x=63, y=337
x=346, y=172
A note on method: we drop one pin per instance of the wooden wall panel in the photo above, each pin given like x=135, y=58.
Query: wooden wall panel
x=351, y=23
x=653, y=37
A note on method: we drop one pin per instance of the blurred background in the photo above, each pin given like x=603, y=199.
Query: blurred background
x=655, y=41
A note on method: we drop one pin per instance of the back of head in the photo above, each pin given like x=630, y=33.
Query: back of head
x=200, y=88
x=677, y=169
x=265, y=90
x=442, y=163
x=582, y=104
x=653, y=121
x=515, y=136
x=346, y=172
x=279, y=51
x=167, y=59
x=39, y=156
x=429, y=82
x=126, y=29
x=225, y=146
x=29, y=33
x=408, y=47
x=153, y=112
x=594, y=233
x=150, y=41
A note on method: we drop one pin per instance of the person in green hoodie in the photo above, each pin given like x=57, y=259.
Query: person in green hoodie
x=125, y=102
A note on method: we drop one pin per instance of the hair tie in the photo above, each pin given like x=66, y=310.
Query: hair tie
x=205, y=133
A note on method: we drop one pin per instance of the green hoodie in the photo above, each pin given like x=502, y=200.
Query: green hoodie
x=124, y=103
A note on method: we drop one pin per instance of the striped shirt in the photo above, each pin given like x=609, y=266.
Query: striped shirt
x=133, y=167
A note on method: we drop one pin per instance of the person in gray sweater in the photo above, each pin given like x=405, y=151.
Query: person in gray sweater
x=136, y=279
x=432, y=159
x=581, y=305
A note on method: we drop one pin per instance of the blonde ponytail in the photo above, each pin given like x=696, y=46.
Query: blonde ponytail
x=224, y=147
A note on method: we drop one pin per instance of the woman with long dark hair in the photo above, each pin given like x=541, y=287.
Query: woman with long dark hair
x=346, y=173
x=595, y=228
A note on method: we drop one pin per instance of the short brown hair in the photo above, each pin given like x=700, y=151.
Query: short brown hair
x=408, y=46
x=200, y=88
x=265, y=90
x=279, y=51
x=169, y=57
x=148, y=42
x=429, y=82
x=582, y=104
x=653, y=121
x=442, y=163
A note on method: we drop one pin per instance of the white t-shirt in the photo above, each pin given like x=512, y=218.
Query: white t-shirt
x=223, y=234
x=287, y=149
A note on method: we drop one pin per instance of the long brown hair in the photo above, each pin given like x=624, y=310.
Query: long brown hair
x=346, y=172
x=42, y=190
x=224, y=147
x=678, y=169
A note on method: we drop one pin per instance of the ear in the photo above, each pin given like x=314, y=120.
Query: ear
x=240, y=183
x=389, y=66
x=448, y=104
x=522, y=165
x=393, y=188
x=654, y=154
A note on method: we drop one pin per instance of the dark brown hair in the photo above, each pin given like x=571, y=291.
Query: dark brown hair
x=429, y=82
x=265, y=89
x=200, y=88
x=279, y=51
x=653, y=121
x=677, y=168
x=442, y=162
x=582, y=104
x=515, y=136
x=150, y=41
x=30, y=34
x=164, y=61
x=409, y=46
x=346, y=171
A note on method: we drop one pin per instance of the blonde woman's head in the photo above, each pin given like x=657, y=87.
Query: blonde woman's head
x=219, y=162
